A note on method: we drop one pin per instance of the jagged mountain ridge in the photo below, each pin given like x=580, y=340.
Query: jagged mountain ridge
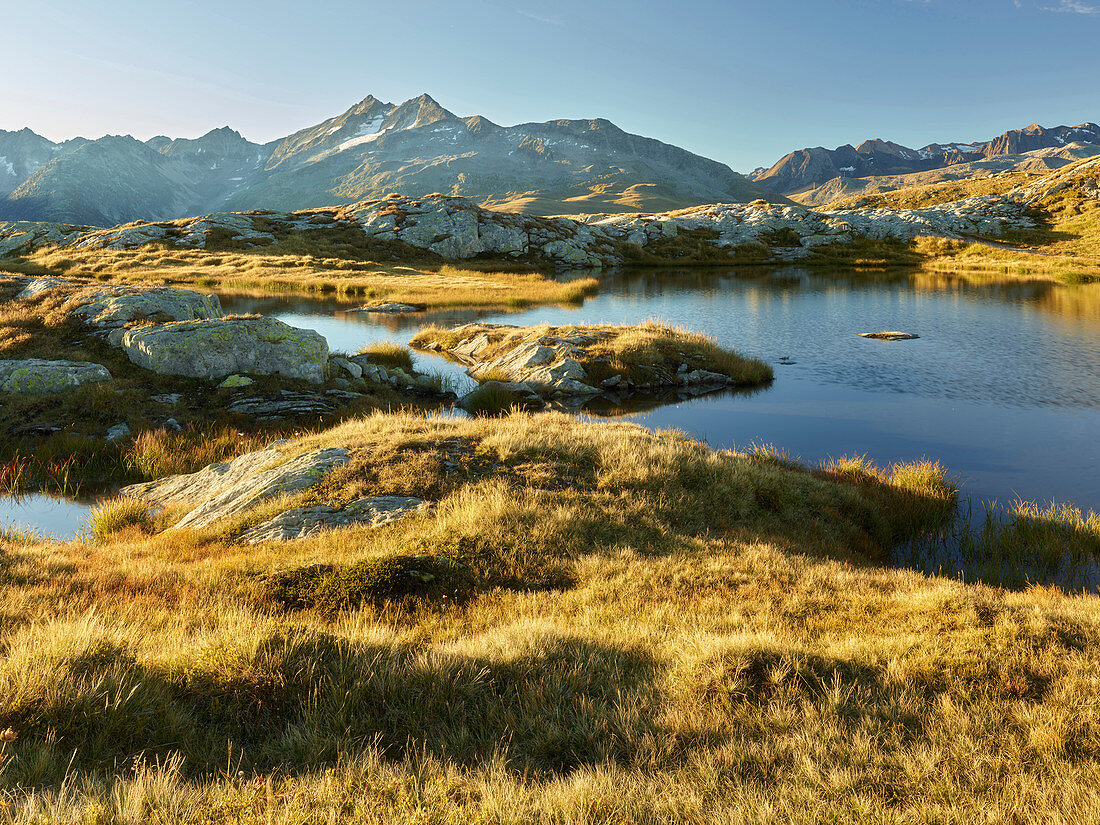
x=807, y=168
x=372, y=149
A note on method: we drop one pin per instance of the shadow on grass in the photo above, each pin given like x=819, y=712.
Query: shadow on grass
x=298, y=701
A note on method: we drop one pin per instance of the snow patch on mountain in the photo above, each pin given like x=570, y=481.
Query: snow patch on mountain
x=364, y=134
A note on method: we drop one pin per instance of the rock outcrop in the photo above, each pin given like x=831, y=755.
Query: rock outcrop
x=231, y=487
x=37, y=376
x=302, y=522
x=122, y=306
x=457, y=229
x=586, y=361
x=216, y=348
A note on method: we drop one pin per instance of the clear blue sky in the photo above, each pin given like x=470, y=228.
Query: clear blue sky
x=741, y=82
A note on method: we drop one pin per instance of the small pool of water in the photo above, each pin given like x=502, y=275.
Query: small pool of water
x=1003, y=385
x=46, y=516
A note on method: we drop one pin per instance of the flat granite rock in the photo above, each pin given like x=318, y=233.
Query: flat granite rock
x=302, y=522
x=216, y=348
x=889, y=335
x=36, y=376
x=230, y=487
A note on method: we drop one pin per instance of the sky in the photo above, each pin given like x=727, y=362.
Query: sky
x=740, y=82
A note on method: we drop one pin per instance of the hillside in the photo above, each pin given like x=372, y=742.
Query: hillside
x=373, y=149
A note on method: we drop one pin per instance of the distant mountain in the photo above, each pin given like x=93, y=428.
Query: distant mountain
x=808, y=168
x=374, y=148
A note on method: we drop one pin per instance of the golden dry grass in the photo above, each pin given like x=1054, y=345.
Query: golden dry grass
x=280, y=269
x=661, y=634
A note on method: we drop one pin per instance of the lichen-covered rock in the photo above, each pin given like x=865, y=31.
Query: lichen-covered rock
x=120, y=306
x=302, y=522
x=231, y=487
x=220, y=347
x=235, y=381
x=37, y=376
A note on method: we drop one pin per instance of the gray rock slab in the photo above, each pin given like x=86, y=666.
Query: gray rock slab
x=231, y=487
x=216, y=348
x=302, y=522
x=38, y=376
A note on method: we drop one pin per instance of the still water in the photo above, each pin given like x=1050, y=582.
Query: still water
x=1003, y=385
x=44, y=516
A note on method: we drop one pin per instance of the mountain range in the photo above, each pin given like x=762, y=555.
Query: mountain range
x=373, y=149
x=806, y=169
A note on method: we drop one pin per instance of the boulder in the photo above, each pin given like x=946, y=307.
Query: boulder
x=121, y=306
x=302, y=522
x=231, y=487
x=36, y=376
x=219, y=347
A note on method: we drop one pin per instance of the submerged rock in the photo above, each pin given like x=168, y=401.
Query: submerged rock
x=889, y=335
x=301, y=522
x=34, y=375
x=221, y=347
x=391, y=308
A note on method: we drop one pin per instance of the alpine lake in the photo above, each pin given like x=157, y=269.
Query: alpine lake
x=1002, y=386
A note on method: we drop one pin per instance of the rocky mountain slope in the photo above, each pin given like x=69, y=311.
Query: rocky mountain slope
x=806, y=169
x=450, y=228
x=1036, y=162
x=374, y=148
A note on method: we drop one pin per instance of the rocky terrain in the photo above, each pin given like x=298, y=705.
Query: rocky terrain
x=372, y=149
x=579, y=362
x=168, y=332
x=806, y=169
x=456, y=229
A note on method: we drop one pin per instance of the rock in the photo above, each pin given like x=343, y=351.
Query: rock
x=889, y=336
x=38, y=286
x=284, y=405
x=36, y=376
x=118, y=433
x=302, y=522
x=390, y=309
x=221, y=347
x=124, y=305
x=350, y=367
x=235, y=381
x=207, y=482
x=521, y=394
x=231, y=487
x=172, y=424
x=697, y=377
x=166, y=398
